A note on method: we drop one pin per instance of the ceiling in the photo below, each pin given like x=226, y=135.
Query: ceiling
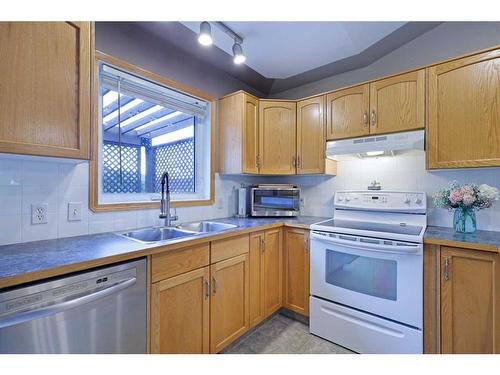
x=283, y=55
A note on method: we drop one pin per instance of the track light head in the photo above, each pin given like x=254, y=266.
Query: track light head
x=239, y=56
x=205, y=35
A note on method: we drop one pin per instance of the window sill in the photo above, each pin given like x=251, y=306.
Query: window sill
x=148, y=205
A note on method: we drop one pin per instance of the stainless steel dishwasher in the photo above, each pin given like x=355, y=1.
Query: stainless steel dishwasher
x=100, y=311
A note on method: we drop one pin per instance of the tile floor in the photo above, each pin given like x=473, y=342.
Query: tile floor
x=282, y=335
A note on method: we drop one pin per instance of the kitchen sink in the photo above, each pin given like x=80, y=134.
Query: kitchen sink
x=157, y=234
x=205, y=226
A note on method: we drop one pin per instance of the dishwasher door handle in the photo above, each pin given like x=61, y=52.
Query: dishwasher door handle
x=54, y=309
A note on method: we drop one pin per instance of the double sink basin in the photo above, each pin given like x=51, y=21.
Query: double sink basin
x=159, y=234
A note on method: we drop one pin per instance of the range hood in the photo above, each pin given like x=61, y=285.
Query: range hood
x=376, y=144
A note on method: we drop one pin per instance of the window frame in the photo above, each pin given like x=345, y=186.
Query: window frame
x=94, y=204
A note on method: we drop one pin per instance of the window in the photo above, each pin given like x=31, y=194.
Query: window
x=146, y=128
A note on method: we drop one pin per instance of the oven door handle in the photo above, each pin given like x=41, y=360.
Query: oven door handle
x=367, y=246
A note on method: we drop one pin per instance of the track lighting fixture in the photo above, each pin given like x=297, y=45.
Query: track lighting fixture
x=239, y=56
x=205, y=35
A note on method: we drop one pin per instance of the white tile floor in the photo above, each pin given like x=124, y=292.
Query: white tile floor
x=282, y=335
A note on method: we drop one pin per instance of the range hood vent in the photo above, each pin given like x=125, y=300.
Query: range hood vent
x=412, y=140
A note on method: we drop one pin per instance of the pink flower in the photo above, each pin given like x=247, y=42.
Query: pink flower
x=456, y=196
x=468, y=199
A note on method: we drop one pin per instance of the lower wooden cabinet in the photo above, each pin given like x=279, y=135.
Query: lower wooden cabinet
x=470, y=301
x=256, y=263
x=273, y=271
x=296, y=270
x=180, y=313
x=229, y=301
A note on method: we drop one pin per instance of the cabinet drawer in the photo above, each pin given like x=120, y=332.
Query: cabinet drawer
x=228, y=248
x=176, y=262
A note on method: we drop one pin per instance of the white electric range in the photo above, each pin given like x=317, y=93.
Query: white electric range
x=367, y=272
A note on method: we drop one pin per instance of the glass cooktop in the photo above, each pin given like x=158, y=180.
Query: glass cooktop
x=402, y=228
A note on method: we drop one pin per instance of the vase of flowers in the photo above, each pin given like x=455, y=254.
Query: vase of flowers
x=465, y=200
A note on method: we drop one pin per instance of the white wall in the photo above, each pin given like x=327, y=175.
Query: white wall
x=25, y=181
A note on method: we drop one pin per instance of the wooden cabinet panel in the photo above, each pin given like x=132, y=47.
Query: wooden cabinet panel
x=256, y=266
x=180, y=314
x=311, y=140
x=174, y=263
x=464, y=112
x=45, y=88
x=229, y=302
x=470, y=303
x=296, y=270
x=398, y=103
x=277, y=136
x=273, y=271
x=228, y=248
x=251, y=134
x=347, y=112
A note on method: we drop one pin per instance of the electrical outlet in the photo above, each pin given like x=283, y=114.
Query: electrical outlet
x=220, y=203
x=39, y=213
x=74, y=211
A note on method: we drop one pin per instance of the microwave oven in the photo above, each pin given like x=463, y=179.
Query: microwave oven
x=274, y=200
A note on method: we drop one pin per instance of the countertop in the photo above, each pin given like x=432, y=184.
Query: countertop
x=479, y=240
x=31, y=261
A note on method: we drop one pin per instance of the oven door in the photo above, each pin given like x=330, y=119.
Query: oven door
x=381, y=277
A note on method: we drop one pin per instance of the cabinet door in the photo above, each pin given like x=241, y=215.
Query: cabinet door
x=180, y=313
x=464, y=112
x=398, y=103
x=250, y=134
x=277, y=135
x=296, y=270
x=470, y=301
x=273, y=271
x=347, y=112
x=256, y=265
x=45, y=88
x=311, y=136
x=229, y=302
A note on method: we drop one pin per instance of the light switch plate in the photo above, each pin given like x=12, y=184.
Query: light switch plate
x=39, y=213
x=74, y=211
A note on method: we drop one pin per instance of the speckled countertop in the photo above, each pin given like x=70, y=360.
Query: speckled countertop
x=479, y=240
x=29, y=261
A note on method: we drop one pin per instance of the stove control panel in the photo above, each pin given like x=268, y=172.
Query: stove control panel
x=382, y=200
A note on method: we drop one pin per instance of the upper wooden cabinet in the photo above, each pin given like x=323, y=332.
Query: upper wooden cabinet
x=463, y=127
x=45, y=88
x=470, y=301
x=277, y=129
x=398, y=103
x=239, y=133
x=296, y=270
x=347, y=112
x=311, y=136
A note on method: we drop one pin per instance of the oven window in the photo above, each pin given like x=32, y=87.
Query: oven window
x=372, y=276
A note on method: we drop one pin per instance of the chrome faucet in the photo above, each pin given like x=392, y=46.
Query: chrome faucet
x=165, y=201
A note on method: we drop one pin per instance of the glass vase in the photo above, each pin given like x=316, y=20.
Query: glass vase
x=464, y=220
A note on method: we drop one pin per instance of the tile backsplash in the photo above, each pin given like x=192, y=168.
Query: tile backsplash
x=26, y=181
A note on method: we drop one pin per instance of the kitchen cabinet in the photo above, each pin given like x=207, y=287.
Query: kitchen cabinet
x=273, y=270
x=311, y=140
x=256, y=265
x=45, y=81
x=229, y=301
x=463, y=127
x=239, y=133
x=397, y=103
x=180, y=313
x=347, y=112
x=277, y=129
x=470, y=301
x=296, y=270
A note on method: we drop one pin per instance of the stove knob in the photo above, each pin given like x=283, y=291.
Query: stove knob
x=407, y=200
x=418, y=200
x=340, y=198
x=347, y=199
